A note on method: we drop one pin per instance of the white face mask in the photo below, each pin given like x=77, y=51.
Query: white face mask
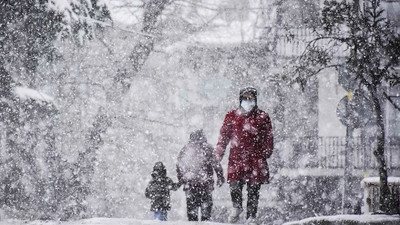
x=248, y=105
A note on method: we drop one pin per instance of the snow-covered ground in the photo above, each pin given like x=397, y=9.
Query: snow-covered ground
x=361, y=219
x=355, y=219
x=103, y=221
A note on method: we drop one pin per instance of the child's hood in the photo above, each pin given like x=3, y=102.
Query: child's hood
x=159, y=170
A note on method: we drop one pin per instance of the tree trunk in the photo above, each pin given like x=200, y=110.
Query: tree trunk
x=121, y=82
x=120, y=87
x=379, y=152
x=5, y=82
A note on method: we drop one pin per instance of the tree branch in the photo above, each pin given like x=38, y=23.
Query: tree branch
x=313, y=43
x=91, y=20
x=298, y=69
x=391, y=101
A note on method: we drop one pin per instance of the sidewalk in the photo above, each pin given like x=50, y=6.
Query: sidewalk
x=349, y=220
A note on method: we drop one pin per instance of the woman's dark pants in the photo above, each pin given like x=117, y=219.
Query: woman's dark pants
x=253, y=194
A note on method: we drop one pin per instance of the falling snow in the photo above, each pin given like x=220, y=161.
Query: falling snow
x=94, y=93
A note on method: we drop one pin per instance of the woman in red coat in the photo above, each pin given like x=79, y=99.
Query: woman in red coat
x=249, y=131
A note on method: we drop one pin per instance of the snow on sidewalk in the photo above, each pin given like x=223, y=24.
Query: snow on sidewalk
x=356, y=219
x=103, y=221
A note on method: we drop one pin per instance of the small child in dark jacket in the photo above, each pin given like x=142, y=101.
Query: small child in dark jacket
x=158, y=191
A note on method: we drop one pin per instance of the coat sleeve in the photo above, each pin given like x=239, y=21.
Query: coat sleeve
x=225, y=135
x=215, y=163
x=268, y=142
x=173, y=186
x=218, y=169
x=179, y=171
x=149, y=190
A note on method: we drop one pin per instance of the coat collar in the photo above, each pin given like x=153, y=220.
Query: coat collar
x=242, y=112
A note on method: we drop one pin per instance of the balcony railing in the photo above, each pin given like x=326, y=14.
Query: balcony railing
x=329, y=153
x=292, y=42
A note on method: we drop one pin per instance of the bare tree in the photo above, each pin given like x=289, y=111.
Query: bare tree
x=121, y=84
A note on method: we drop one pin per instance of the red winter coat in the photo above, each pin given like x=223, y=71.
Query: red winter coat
x=251, y=141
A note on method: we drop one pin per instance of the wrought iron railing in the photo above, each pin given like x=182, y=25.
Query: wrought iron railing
x=292, y=42
x=329, y=153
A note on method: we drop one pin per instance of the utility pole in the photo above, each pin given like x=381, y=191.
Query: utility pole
x=348, y=166
x=354, y=111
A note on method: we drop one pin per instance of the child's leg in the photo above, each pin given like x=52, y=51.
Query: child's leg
x=191, y=204
x=164, y=215
x=157, y=215
x=161, y=215
x=206, y=206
